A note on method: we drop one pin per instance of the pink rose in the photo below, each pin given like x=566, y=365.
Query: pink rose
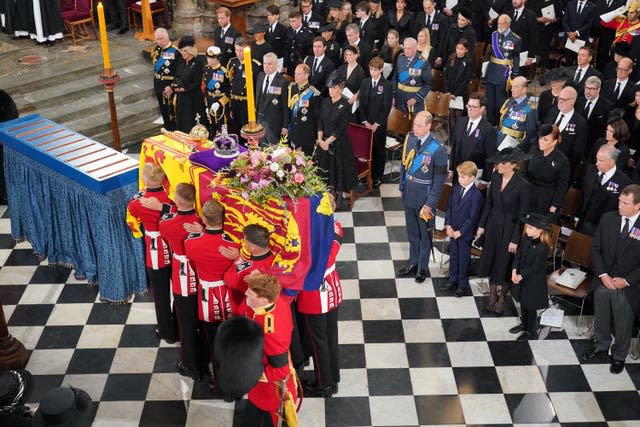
x=253, y=186
x=263, y=183
x=299, y=178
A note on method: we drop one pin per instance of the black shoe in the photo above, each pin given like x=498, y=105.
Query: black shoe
x=449, y=286
x=376, y=183
x=525, y=336
x=334, y=388
x=516, y=329
x=123, y=30
x=186, y=372
x=460, y=292
x=616, y=366
x=112, y=27
x=409, y=270
x=592, y=354
x=421, y=276
x=311, y=391
x=157, y=332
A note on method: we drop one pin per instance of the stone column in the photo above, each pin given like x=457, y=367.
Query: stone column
x=186, y=18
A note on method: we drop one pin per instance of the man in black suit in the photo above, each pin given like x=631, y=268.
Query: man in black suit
x=271, y=100
x=368, y=30
x=320, y=64
x=310, y=19
x=474, y=139
x=601, y=188
x=118, y=15
x=620, y=89
x=583, y=70
x=573, y=127
x=523, y=23
x=225, y=35
x=321, y=9
x=578, y=19
x=614, y=252
x=595, y=109
x=436, y=23
x=276, y=33
x=353, y=38
x=299, y=40
x=376, y=95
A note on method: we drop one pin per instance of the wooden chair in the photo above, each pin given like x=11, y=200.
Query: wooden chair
x=474, y=86
x=437, y=80
x=557, y=54
x=577, y=251
x=437, y=103
x=398, y=126
x=78, y=14
x=554, y=236
x=571, y=209
x=362, y=143
x=440, y=233
x=157, y=7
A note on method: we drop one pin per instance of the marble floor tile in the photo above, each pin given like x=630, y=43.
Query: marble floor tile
x=600, y=379
x=380, y=309
x=574, y=407
x=521, y=379
x=393, y=410
x=456, y=308
x=423, y=330
x=386, y=355
x=134, y=360
x=485, y=409
x=433, y=381
x=469, y=354
x=125, y=414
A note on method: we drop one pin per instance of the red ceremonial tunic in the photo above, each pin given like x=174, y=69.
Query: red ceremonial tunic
x=214, y=302
x=624, y=31
x=234, y=276
x=275, y=321
x=183, y=278
x=329, y=296
x=157, y=251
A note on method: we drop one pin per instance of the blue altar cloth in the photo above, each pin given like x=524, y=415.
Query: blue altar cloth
x=75, y=226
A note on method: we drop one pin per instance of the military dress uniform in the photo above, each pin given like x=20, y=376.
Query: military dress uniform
x=304, y=102
x=157, y=257
x=423, y=172
x=236, y=75
x=412, y=80
x=214, y=301
x=234, y=276
x=184, y=286
x=518, y=120
x=165, y=61
x=216, y=86
x=504, y=64
x=225, y=40
x=299, y=44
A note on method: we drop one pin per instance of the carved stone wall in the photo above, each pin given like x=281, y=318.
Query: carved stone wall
x=198, y=17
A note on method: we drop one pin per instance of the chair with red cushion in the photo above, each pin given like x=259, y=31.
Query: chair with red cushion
x=78, y=13
x=361, y=142
x=157, y=7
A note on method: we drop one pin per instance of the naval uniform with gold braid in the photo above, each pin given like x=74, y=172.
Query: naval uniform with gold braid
x=216, y=87
x=423, y=172
x=165, y=61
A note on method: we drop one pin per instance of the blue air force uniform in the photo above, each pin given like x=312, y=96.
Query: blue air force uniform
x=411, y=81
x=518, y=120
x=423, y=173
x=504, y=64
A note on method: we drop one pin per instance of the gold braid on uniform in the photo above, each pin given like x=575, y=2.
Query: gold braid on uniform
x=504, y=109
x=407, y=159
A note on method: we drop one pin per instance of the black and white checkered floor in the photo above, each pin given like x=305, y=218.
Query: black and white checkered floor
x=410, y=355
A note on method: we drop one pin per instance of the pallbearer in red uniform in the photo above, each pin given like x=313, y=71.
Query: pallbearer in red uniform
x=275, y=393
x=203, y=251
x=319, y=312
x=183, y=278
x=158, y=256
x=256, y=239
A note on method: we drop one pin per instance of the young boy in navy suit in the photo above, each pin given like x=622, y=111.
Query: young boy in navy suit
x=463, y=212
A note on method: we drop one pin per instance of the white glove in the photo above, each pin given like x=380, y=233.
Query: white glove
x=215, y=107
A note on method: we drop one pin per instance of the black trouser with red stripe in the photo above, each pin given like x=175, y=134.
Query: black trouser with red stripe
x=322, y=334
x=189, y=327
x=160, y=281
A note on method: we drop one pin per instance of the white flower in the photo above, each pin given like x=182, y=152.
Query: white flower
x=274, y=166
x=278, y=152
x=280, y=173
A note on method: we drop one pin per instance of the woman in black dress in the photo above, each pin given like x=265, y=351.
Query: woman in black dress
x=400, y=19
x=617, y=134
x=548, y=99
x=379, y=18
x=189, y=98
x=507, y=199
x=352, y=74
x=458, y=71
x=390, y=51
x=334, y=153
x=548, y=173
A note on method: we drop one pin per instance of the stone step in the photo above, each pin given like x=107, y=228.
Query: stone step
x=68, y=93
x=130, y=135
x=97, y=123
x=126, y=92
